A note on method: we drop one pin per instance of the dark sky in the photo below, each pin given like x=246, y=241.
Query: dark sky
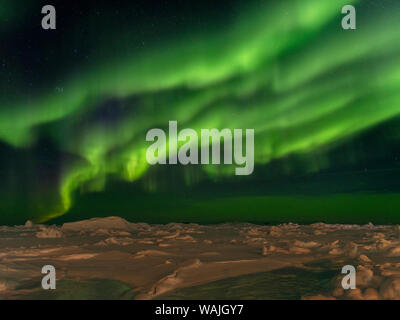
x=76, y=103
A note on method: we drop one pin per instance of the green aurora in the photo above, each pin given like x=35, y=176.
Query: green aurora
x=76, y=103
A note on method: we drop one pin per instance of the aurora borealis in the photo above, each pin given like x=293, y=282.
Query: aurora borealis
x=76, y=103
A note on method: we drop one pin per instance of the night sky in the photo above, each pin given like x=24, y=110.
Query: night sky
x=76, y=103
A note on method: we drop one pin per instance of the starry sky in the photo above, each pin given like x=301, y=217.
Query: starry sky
x=76, y=103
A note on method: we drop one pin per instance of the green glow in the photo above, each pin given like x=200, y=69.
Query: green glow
x=286, y=69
